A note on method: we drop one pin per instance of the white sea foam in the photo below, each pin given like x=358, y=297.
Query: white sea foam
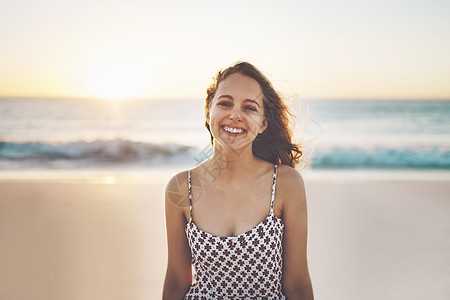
x=125, y=152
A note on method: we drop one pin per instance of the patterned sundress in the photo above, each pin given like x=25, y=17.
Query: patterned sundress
x=246, y=266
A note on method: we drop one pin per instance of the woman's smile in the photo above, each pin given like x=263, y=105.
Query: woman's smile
x=233, y=130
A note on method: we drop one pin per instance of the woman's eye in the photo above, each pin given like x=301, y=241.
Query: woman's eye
x=224, y=103
x=248, y=107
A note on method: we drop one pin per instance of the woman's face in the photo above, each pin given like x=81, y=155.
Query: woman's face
x=236, y=115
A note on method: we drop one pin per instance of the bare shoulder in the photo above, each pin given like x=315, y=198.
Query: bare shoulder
x=290, y=185
x=289, y=178
x=177, y=190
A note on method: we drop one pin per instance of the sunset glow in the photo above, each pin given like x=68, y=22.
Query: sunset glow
x=171, y=49
x=116, y=81
x=115, y=72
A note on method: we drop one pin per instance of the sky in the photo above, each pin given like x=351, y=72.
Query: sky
x=115, y=49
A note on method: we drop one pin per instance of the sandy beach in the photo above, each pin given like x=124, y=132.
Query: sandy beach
x=368, y=239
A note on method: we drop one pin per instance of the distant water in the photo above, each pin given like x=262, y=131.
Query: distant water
x=76, y=133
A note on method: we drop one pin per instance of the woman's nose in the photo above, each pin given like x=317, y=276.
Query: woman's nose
x=235, y=114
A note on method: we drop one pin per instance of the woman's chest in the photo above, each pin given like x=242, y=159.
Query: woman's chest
x=231, y=212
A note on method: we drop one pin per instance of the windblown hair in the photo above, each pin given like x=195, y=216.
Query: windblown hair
x=275, y=143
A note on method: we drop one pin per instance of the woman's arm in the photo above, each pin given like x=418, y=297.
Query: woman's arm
x=296, y=280
x=178, y=274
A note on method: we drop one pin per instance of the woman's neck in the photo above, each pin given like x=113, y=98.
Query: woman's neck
x=228, y=166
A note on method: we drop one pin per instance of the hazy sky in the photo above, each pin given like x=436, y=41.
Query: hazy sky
x=314, y=49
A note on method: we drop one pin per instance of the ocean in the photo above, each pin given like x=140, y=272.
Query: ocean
x=68, y=134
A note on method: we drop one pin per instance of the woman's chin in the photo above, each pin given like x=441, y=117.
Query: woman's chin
x=234, y=146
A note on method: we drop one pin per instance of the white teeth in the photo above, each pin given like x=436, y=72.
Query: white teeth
x=233, y=130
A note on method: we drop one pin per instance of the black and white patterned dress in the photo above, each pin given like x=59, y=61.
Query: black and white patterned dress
x=246, y=266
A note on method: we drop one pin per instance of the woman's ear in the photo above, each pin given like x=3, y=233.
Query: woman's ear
x=263, y=126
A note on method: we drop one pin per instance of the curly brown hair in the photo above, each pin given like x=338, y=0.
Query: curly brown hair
x=275, y=143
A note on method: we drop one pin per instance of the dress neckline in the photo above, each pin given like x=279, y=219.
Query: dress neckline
x=241, y=234
x=191, y=221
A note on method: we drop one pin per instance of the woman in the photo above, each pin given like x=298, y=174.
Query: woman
x=211, y=210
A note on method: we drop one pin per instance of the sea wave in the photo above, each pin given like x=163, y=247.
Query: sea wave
x=91, y=153
x=411, y=157
x=127, y=152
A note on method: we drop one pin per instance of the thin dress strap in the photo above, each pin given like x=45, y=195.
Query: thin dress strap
x=274, y=182
x=190, y=196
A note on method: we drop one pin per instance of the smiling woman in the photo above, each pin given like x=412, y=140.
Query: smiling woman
x=210, y=222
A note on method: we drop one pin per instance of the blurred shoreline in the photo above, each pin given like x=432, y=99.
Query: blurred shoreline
x=162, y=174
x=53, y=134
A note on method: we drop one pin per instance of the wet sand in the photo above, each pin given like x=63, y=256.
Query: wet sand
x=76, y=240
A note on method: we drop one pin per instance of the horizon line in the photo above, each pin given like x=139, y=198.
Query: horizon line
x=193, y=98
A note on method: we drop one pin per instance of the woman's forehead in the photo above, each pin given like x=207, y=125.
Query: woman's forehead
x=240, y=86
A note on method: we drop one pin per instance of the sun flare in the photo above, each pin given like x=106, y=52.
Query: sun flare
x=117, y=78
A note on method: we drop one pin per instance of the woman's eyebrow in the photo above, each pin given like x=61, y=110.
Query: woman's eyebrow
x=225, y=96
x=253, y=101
